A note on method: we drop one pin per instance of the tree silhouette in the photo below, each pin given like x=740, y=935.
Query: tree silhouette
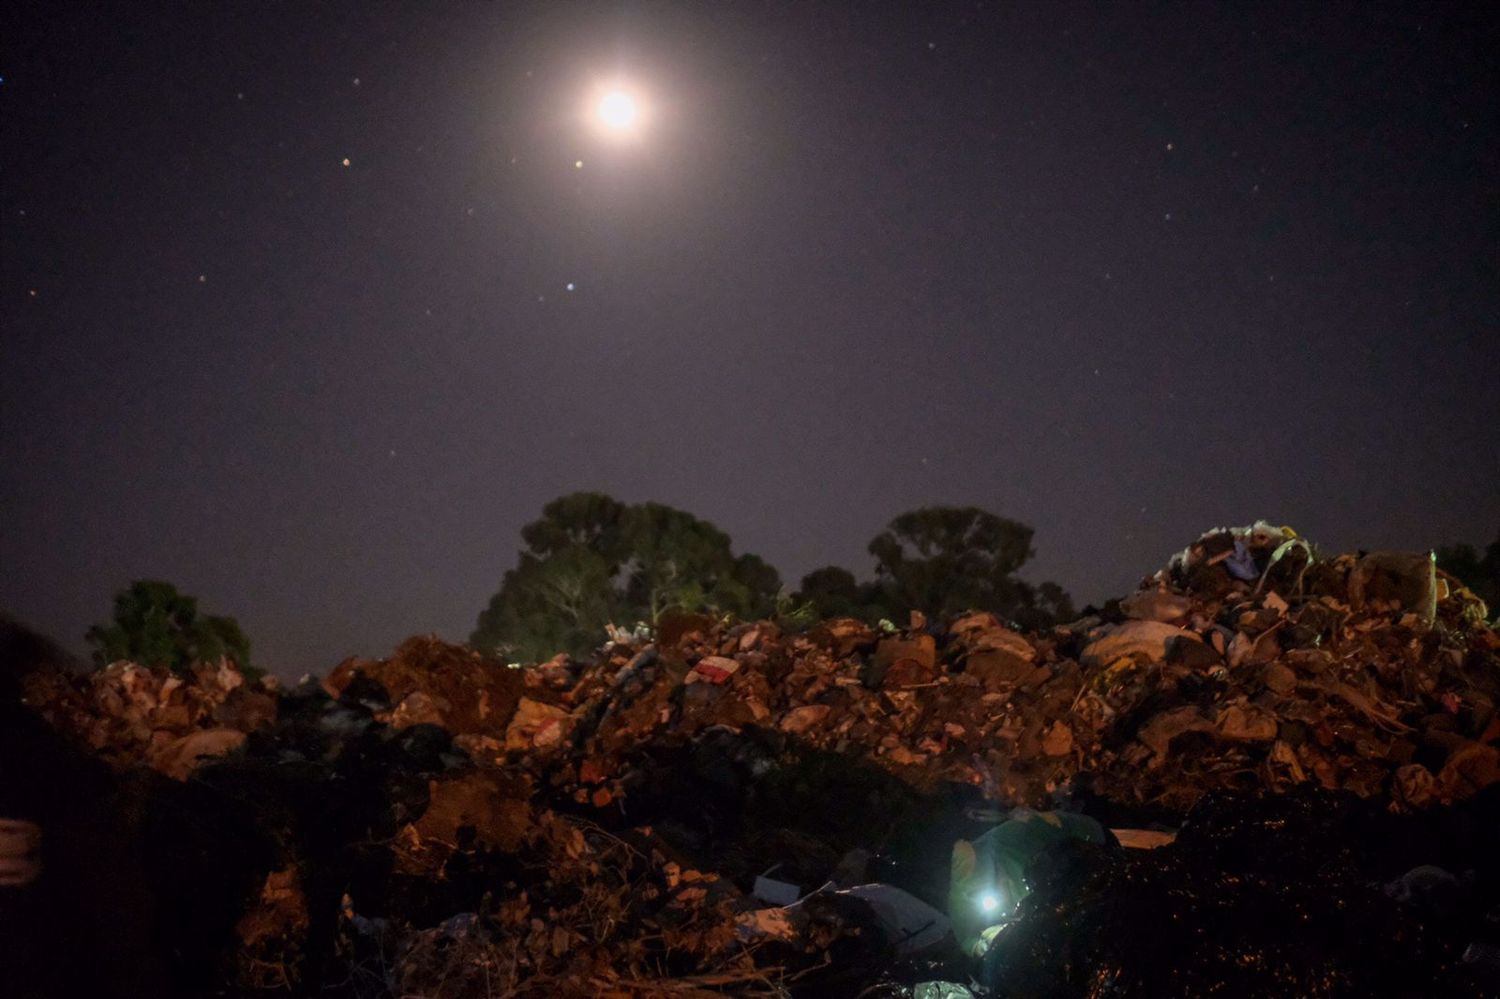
x=942, y=560
x=591, y=560
x=1480, y=573
x=155, y=625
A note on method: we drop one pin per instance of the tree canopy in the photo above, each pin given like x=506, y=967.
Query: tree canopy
x=155, y=625
x=591, y=560
x=942, y=560
x=1479, y=572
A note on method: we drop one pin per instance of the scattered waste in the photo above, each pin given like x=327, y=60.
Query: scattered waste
x=1301, y=752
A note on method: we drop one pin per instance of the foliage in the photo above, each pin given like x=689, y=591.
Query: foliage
x=591, y=560
x=793, y=614
x=1480, y=573
x=155, y=625
x=834, y=592
x=1042, y=606
x=942, y=561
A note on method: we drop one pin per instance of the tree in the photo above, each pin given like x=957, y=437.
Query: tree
x=547, y=605
x=577, y=520
x=834, y=592
x=591, y=560
x=1043, y=605
x=155, y=625
x=675, y=560
x=1480, y=573
x=942, y=561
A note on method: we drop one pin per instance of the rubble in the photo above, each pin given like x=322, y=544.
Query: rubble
x=437, y=819
x=129, y=714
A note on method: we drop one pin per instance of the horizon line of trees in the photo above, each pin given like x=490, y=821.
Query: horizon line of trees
x=590, y=561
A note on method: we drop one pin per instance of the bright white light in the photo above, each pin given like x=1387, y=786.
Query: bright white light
x=989, y=902
x=619, y=111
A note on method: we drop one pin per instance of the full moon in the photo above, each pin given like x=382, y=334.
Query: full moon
x=618, y=111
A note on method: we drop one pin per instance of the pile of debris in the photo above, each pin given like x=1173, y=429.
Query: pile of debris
x=439, y=823
x=1244, y=664
x=128, y=714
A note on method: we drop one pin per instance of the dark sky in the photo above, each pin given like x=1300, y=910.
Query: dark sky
x=1123, y=272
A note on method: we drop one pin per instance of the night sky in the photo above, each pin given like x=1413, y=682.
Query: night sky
x=308, y=308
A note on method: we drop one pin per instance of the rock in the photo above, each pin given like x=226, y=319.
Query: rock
x=998, y=667
x=842, y=635
x=1415, y=786
x=244, y=709
x=904, y=756
x=418, y=708
x=180, y=757
x=1195, y=655
x=1279, y=679
x=1468, y=770
x=480, y=694
x=1058, y=741
x=982, y=631
x=907, y=673
x=1157, y=605
x=483, y=807
x=1158, y=733
x=1247, y=723
x=800, y=720
x=922, y=649
x=1258, y=649
x=1146, y=640
x=536, y=724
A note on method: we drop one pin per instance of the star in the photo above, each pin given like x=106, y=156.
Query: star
x=346, y=161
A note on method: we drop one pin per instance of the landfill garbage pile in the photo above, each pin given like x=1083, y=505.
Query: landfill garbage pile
x=128, y=714
x=1244, y=664
x=438, y=823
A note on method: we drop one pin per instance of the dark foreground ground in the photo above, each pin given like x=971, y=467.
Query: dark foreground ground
x=1322, y=732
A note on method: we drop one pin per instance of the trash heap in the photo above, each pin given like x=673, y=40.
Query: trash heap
x=1245, y=664
x=439, y=823
x=129, y=715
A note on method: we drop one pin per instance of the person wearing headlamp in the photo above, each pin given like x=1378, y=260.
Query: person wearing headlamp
x=988, y=874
